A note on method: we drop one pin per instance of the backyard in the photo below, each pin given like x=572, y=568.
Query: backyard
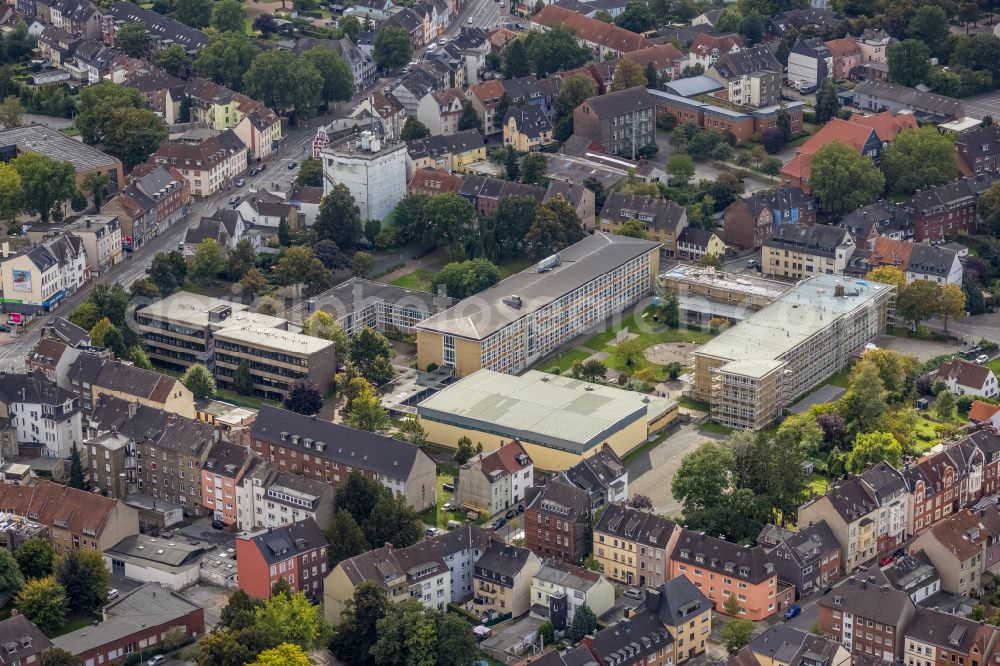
x=437, y=517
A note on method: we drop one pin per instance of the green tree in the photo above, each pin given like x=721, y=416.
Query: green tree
x=909, y=62
x=592, y=370
x=285, y=654
x=362, y=265
x=413, y=129
x=310, y=173
x=917, y=159
x=208, y=261
x=752, y=27
x=367, y=413
x=680, y=167
x=99, y=330
x=338, y=80
x=584, y=623
x=843, y=180
x=10, y=192
x=736, y=634
x=130, y=39
x=253, y=282
x=350, y=26
x=370, y=354
x=86, y=580
x=872, y=448
x=229, y=16
x=452, y=222
x=195, y=13
x=515, y=60
x=629, y=352
x=242, y=379
x=533, y=169
x=636, y=18
x=285, y=82
x=11, y=579
x=634, y=228
x=511, y=165
x=888, y=275
x=239, y=611
x=172, y=59
x=303, y=397
x=505, y=227
x=827, y=102
x=139, y=358
x=470, y=118
x=339, y=218
x=226, y=59
x=732, y=605
x=294, y=620
x=345, y=538
x=357, y=631
x=134, y=135
x=392, y=47
x=865, y=399
x=43, y=602
x=76, y=477
x=199, y=381
x=168, y=271
x=556, y=226
x=410, y=430
x=918, y=301
x=45, y=183
x=241, y=259
x=951, y=303
x=11, y=112
x=573, y=92
x=465, y=450
x=652, y=78
x=989, y=206
x=35, y=557
x=547, y=633
x=465, y=278
x=628, y=75
x=930, y=26
x=555, y=50
x=95, y=183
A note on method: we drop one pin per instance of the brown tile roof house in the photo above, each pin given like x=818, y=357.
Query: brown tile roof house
x=557, y=521
x=982, y=411
x=964, y=378
x=705, y=46
x=434, y=181
x=76, y=518
x=510, y=458
x=606, y=35
x=859, y=137
x=958, y=636
x=886, y=124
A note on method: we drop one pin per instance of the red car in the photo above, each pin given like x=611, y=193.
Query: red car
x=888, y=559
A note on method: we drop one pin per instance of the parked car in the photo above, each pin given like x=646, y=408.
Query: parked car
x=448, y=506
x=218, y=525
x=469, y=21
x=448, y=487
x=793, y=611
x=752, y=263
x=899, y=552
x=292, y=165
x=431, y=531
x=240, y=182
x=982, y=358
x=520, y=508
x=510, y=514
x=235, y=199
x=113, y=594
x=261, y=168
x=888, y=559
x=254, y=171
x=157, y=660
x=499, y=522
x=472, y=515
x=632, y=593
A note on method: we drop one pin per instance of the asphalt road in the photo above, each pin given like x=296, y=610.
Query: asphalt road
x=128, y=271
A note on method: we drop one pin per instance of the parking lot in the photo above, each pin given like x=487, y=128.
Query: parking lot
x=652, y=472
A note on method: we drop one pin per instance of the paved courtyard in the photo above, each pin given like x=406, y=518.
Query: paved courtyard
x=986, y=104
x=651, y=473
x=922, y=349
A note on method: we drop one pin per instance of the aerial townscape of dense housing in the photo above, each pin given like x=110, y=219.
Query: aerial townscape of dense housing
x=500, y=332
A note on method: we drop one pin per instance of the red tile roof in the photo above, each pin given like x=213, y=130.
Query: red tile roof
x=53, y=504
x=505, y=459
x=487, y=91
x=662, y=56
x=843, y=47
x=891, y=252
x=849, y=133
x=982, y=411
x=964, y=373
x=886, y=124
x=592, y=30
x=703, y=44
x=434, y=181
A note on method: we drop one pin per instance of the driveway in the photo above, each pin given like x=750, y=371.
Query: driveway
x=652, y=472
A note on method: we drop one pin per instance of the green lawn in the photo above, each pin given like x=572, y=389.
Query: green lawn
x=648, y=333
x=691, y=403
x=565, y=360
x=994, y=365
x=419, y=279
x=817, y=483
x=73, y=622
x=715, y=428
x=435, y=516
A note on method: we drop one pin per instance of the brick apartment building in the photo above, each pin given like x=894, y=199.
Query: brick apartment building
x=941, y=212
x=557, y=521
x=867, y=616
x=295, y=552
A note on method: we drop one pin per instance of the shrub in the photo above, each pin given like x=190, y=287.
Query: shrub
x=431, y=367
